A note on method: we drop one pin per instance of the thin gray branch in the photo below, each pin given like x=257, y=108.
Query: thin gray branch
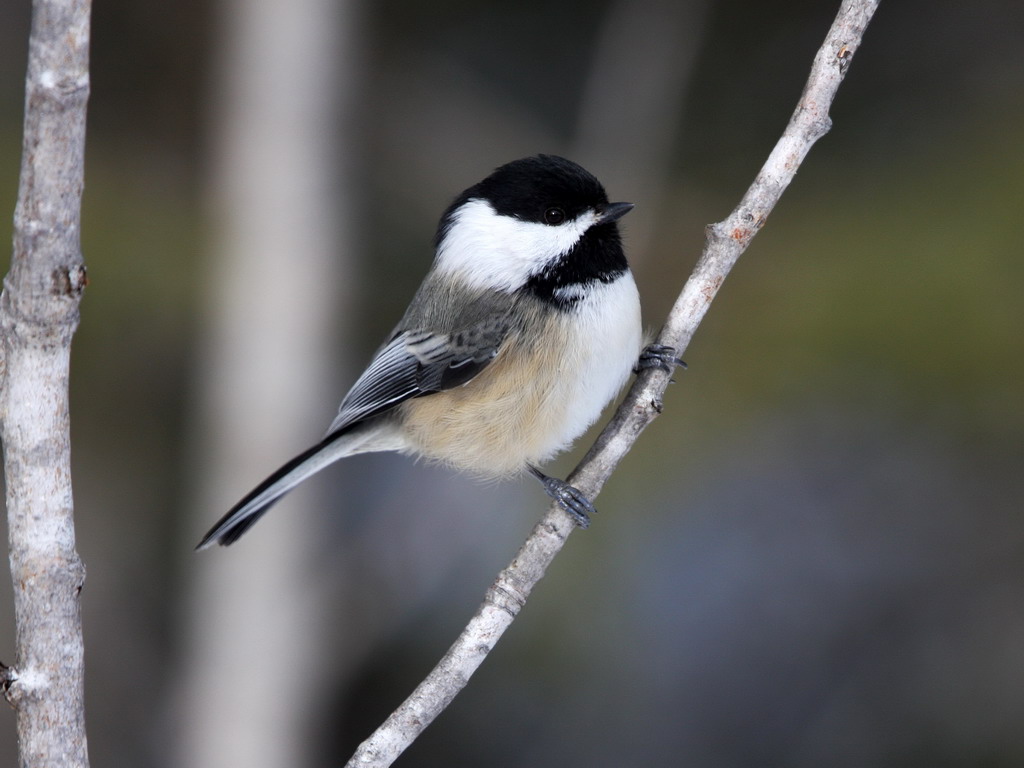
x=725, y=241
x=38, y=316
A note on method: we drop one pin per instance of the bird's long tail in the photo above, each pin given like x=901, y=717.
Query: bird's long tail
x=241, y=517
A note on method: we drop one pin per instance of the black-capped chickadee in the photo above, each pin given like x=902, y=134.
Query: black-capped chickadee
x=524, y=329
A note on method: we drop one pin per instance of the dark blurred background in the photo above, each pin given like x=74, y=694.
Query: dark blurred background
x=814, y=557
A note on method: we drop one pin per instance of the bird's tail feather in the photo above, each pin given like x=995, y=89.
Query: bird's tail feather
x=241, y=517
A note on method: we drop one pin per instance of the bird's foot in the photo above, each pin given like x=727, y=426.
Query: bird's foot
x=569, y=498
x=658, y=356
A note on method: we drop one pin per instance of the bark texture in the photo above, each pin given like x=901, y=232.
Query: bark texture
x=38, y=316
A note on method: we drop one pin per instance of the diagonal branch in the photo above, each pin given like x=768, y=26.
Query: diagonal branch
x=725, y=241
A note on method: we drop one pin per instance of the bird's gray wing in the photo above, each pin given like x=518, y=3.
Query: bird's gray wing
x=417, y=362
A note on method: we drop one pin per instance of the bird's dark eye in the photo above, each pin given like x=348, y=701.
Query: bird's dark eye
x=554, y=216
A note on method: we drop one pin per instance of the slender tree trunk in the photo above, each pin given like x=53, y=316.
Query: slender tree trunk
x=280, y=274
x=628, y=131
x=38, y=316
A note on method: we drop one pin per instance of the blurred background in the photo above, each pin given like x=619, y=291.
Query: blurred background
x=815, y=556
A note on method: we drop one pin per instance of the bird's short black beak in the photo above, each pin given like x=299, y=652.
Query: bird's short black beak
x=610, y=212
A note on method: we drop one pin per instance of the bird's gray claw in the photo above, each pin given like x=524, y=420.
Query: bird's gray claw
x=574, y=502
x=569, y=498
x=659, y=356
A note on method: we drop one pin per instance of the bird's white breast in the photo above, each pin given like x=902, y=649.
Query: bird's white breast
x=608, y=336
x=545, y=387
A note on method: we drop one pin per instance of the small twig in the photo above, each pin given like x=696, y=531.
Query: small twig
x=725, y=241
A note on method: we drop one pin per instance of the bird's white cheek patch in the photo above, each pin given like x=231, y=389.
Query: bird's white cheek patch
x=494, y=252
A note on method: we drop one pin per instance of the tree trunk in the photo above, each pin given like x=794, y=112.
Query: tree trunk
x=38, y=316
x=269, y=357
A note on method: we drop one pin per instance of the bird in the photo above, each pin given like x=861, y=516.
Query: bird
x=525, y=327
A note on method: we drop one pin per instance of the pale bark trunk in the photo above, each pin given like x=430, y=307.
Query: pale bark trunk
x=38, y=316
x=269, y=357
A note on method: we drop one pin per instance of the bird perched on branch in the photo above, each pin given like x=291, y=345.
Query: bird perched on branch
x=525, y=327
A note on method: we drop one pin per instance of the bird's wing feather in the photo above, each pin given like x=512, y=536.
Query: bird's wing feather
x=412, y=364
x=418, y=362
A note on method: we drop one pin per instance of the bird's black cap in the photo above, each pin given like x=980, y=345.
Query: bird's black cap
x=528, y=188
